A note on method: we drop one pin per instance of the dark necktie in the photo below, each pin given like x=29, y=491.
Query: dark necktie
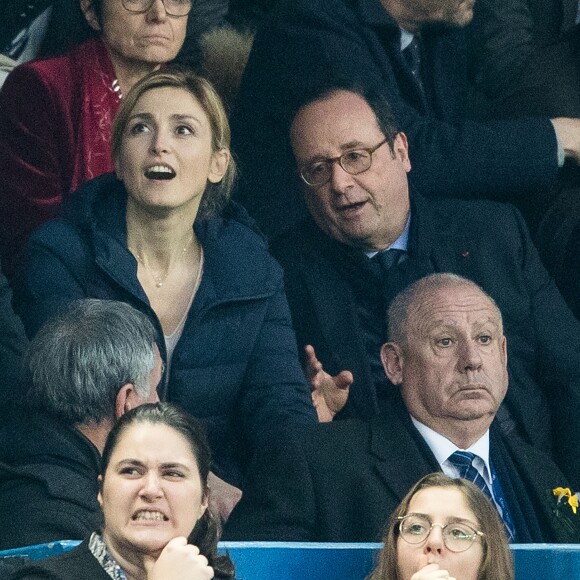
x=463, y=461
x=412, y=54
x=390, y=277
x=388, y=258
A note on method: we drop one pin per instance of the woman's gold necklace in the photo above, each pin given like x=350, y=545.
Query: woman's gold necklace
x=160, y=280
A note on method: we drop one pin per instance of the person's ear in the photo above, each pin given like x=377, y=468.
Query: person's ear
x=100, y=494
x=504, y=359
x=220, y=160
x=204, y=504
x=401, y=150
x=392, y=359
x=126, y=400
x=88, y=9
x=504, y=349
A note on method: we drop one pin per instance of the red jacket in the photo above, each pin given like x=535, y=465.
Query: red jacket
x=55, y=133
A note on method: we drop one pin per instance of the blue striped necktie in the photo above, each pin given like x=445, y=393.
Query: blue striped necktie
x=463, y=461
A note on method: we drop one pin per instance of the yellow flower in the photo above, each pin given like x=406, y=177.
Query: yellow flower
x=562, y=492
x=573, y=502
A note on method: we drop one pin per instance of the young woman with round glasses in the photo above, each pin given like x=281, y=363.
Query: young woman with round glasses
x=444, y=528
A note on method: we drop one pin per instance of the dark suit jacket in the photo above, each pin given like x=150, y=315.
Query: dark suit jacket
x=77, y=563
x=343, y=483
x=235, y=366
x=489, y=244
x=16, y=15
x=524, y=56
x=306, y=42
x=48, y=480
x=12, y=342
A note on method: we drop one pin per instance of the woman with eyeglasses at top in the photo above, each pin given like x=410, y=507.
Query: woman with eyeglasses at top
x=444, y=528
x=56, y=113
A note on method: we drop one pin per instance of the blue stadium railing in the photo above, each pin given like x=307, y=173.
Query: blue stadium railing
x=306, y=561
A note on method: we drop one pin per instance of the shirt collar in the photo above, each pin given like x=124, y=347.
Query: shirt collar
x=406, y=39
x=401, y=242
x=442, y=448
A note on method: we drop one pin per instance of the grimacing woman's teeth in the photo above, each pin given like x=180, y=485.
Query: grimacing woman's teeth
x=147, y=515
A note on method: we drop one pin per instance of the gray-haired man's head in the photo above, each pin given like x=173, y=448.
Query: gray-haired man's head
x=82, y=358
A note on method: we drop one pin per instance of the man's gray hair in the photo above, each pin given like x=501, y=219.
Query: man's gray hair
x=80, y=359
x=402, y=305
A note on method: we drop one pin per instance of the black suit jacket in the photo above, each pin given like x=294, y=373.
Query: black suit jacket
x=489, y=244
x=12, y=343
x=48, y=480
x=76, y=563
x=524, y=57
x=343, y=483
x=304, y=43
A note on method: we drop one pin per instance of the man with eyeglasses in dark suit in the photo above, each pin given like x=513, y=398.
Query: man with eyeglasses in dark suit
x=369, y=236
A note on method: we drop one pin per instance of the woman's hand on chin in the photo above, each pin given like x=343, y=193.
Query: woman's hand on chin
x=179, y=561
x=430, y=572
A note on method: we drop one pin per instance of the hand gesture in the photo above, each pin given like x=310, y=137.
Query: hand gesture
x=431, y=572
x=568, y=134
x=329, y=394
x=179, y=561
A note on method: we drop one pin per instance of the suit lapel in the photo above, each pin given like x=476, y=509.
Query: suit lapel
x=334, y=305
x=434, y=248
x=400, y=459
x=569, y=9
x=532, y=476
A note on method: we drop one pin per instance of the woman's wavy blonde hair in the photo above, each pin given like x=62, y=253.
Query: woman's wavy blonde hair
x=216, y=195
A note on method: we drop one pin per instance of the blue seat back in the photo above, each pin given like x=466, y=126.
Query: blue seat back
x=305, y=561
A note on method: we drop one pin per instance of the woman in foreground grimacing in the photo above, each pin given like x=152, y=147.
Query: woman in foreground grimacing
x=154, y=497
x=444, y=528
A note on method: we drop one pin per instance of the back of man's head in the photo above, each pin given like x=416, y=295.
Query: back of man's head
x=81, y=358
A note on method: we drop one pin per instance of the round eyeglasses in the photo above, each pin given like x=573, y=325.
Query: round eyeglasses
x=353, y=162
x=172, y=7
x=457, y=536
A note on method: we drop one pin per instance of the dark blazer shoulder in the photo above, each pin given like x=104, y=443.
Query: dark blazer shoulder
x=465, y=213
x=72, y=565
x=300, y=243
x=539, y=476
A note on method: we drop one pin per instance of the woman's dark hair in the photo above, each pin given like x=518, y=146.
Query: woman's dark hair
x=205, y=533
x=497, y=558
